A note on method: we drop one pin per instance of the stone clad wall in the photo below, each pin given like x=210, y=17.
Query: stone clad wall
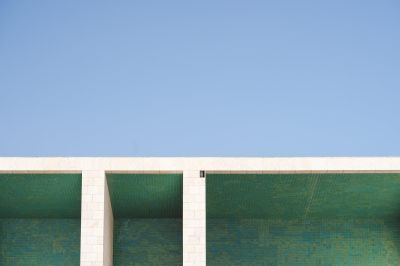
x=194, y=218
x=93, y=218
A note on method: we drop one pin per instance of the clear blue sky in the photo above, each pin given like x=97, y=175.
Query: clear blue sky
x=200, y=78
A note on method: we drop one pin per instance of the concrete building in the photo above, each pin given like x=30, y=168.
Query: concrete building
x=158, y=211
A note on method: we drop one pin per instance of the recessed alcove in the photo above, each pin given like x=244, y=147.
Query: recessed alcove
x=147, y=211
x=303, y=219
x=40, y=219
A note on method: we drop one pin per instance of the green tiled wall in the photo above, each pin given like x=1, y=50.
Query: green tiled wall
x=40, y=219
x=147, y=212
x=147, y=242
x=294, y=196
x=316, y=243
x=303, y=219
x=27, y=242
x=146, y=195
x=40, y=195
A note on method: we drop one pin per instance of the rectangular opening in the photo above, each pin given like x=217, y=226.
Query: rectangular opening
x=147, y=211
x=40, y=219
x=303, y=219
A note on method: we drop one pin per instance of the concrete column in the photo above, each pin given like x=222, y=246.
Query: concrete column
x=96, y=220
x=108, y=228
x=194, y=219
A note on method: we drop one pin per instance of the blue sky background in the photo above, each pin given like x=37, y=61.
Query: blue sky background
x=200, y=78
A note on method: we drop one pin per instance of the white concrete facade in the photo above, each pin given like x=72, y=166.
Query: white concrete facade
x=96, y=212
x=96, y=220
x=194, y=218
x=108, y=228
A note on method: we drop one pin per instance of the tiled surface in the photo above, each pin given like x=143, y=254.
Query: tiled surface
x=96, y=223
x=40, y=195
x=287, y=242
x=40, y=219
x=295, y=196
x=303, y=219
x=148, y=218
x=148, y=242
x=146, y=195
x=39, y=242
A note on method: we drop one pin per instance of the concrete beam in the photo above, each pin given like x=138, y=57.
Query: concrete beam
x=225, y=164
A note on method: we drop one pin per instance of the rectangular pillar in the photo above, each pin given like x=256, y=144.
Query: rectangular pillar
x=96, y=220
x=108, y=228
x=194, y=219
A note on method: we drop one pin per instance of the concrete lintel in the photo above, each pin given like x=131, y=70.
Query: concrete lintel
x=283, y=164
